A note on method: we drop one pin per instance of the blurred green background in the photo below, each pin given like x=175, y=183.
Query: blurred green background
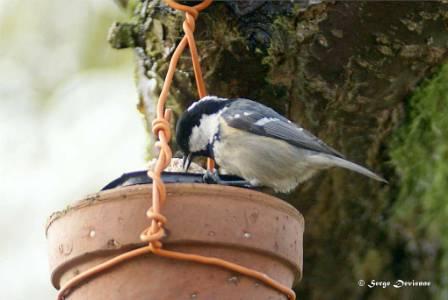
x=419, y=152
x=68, y=125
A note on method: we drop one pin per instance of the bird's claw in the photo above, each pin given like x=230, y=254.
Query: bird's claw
x=212, y=177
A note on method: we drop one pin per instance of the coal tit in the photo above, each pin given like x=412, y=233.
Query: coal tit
x=250, y=140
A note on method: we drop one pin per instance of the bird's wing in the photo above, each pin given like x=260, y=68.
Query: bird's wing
x=256, y=118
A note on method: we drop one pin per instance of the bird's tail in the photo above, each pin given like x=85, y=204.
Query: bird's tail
x=331, y=161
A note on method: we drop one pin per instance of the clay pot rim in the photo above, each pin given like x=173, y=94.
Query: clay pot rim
x=141, y=177
x=197, y=188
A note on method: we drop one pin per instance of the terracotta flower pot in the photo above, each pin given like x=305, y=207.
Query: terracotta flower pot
x=240, y=225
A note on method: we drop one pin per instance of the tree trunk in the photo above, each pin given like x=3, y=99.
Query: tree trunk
x=342, y=70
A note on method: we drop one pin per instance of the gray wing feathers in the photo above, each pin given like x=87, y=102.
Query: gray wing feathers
x=256, y=118
x=298, y=137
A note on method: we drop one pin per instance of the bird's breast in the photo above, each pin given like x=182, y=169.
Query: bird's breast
x=268, y=161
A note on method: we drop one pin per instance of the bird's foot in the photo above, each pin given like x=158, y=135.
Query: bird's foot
x=212, y=177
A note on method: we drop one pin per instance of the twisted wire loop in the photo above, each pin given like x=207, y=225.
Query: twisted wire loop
x=161, y=128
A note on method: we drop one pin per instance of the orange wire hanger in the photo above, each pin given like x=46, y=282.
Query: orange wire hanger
x=161, y=128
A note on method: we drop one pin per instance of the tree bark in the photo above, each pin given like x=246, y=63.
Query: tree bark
x=342, y=70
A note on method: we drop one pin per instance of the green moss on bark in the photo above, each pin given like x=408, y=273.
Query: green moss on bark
x=420, y=155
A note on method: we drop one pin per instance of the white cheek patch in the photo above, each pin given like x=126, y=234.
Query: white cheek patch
x=202, y=134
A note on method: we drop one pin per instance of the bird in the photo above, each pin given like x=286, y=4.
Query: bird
x=254, y=142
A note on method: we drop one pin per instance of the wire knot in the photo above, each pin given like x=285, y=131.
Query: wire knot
x=151, y=237
x=189, y=25
x=154, y=233
x=161, y=125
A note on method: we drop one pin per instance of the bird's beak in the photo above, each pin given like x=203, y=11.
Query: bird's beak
x=187, y=161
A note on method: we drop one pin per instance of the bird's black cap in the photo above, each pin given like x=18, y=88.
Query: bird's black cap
x=192, y=117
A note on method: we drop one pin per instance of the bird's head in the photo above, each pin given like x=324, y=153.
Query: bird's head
x=198, y=126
